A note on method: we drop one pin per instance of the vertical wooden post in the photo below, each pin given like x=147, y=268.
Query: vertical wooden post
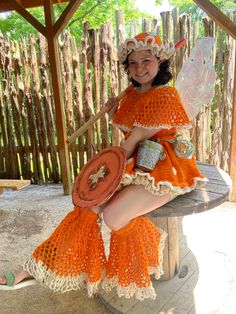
x=218, y=16
x=146, y=25
x=53, y=54
x=133, y=29
x=171, y=251
x=232, y=158
x=120, y=32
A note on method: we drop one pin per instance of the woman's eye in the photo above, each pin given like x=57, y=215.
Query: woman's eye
x=131, y=63
x=146, y=61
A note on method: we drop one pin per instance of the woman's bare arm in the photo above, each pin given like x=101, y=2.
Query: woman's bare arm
x=137, y=134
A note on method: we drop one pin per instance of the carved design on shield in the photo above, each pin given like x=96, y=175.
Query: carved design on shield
x=99, y=178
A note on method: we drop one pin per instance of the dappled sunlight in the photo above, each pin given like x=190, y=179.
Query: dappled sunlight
x=170, y=311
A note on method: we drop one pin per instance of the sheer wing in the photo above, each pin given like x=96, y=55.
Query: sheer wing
x=195, y=81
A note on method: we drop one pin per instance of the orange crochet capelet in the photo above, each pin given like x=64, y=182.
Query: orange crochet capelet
x=160, y=109
x=157, y=108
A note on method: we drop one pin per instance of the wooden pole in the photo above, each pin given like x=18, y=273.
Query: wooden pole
x=66, y=15
x=86, y=125
x=218, y=16
x=53, y=54
x=104, y=90
x=232, y=156
x=92, y=120
x=95, y=53
x=88, y=109
x=6, y=5
x=51, y=32
x=47, y=106
x=120, y=38
x=26, y=15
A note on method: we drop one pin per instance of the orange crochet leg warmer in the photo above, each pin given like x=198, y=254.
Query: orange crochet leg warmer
x=73, y=256
x=135, y=254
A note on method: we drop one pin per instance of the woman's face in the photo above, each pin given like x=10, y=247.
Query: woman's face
x=143, y=67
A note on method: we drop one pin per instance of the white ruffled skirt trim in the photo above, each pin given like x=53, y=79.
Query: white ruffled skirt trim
x=163, y=187
x=140, y=293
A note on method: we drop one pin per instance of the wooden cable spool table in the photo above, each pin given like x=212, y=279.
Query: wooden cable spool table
x=212, y=194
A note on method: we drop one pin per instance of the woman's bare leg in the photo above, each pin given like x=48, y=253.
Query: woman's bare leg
x=132, y=201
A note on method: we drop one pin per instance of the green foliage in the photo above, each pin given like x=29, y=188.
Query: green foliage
x=14, y=25
x=158, y=2
x=102, y=11
x=96, y=12
x=189, y=6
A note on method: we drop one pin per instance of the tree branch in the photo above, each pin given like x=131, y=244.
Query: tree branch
x=86, y=13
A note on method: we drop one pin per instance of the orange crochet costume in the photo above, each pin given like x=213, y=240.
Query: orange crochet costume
x=161, y=109
x=135, y=254
x=72, y=257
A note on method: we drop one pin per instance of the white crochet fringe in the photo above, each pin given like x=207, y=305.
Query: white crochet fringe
x=68, y=283
x=132, y=290
x=153, y=127
x=106, y=235
x=59, y=283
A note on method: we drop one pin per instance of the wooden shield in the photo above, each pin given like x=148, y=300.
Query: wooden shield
x=99, y=178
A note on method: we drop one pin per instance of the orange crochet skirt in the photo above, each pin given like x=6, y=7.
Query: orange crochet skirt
x=174, y=175
x=73, y=257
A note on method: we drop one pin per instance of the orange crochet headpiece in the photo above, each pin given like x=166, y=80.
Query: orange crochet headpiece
x=146, y=41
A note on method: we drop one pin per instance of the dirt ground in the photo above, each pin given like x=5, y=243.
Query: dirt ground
x=27, y=217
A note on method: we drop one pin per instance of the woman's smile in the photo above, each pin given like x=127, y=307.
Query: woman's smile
x=143, y=67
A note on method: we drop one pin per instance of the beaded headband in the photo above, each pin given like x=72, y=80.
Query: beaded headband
x=146, y=41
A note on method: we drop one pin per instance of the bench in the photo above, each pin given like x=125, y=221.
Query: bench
x=13, y=184
x=212, y=194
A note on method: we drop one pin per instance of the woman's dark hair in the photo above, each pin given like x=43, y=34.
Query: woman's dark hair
x=163, y=76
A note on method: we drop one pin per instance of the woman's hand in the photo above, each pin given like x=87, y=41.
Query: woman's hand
x=112, y=106
x=137, y=134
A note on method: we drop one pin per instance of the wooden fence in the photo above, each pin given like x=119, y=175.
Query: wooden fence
x=90, y=74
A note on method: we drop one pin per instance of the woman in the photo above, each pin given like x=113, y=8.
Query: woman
x=74, y=257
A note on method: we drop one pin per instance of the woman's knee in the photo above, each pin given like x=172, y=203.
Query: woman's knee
x=112, y=221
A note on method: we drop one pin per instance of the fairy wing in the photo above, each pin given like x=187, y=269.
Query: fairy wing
x=196, y=79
